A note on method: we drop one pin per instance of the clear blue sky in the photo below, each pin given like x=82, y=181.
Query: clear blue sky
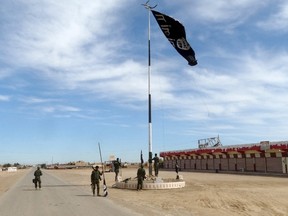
x=74, y=73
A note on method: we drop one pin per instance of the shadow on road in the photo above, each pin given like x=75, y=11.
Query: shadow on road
x=74, y=185
x=84, y=195
x=30, y=189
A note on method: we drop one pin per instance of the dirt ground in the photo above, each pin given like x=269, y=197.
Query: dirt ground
x=204, y=194
x=7, y=179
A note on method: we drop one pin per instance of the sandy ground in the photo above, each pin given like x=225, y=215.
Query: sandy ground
x=204, y=194
x=7, y=179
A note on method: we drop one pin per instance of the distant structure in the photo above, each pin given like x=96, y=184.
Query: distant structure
x=12, y=169
x=209, y=142
x=262, y=157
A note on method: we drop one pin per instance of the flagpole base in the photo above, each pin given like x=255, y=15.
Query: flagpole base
x=151, y=184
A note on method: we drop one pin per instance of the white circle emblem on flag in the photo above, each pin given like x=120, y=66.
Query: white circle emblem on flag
x=182, y=44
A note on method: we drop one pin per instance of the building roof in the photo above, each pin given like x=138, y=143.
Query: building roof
x=261, y=147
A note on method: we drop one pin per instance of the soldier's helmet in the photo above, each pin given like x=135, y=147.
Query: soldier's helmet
x=95, y=167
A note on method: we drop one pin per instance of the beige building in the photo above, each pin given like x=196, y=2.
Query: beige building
x=263, y=157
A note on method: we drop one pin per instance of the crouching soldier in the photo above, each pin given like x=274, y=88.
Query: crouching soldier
x=95, y=180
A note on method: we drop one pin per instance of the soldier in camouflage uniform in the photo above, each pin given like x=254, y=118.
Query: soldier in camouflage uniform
x=116, y=165
x=37, y=178
x=141, y=175
x=156, y=165
x=95, y=180
x=177, y=169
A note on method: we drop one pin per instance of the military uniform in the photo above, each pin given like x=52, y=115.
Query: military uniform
x=177, y=169
x=37, y=178
x=156, y=164
x=141, y=174
x=95, y=180
x=116, y=165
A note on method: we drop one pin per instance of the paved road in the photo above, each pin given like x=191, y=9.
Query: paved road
x=56, y=198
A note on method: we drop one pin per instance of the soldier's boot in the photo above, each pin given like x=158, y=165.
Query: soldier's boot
x=93, y=190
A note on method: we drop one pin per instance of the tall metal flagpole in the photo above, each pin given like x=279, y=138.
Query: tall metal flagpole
x=148, y=7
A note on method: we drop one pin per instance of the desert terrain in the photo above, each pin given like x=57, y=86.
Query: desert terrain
x=204, y=193
x=8, y=179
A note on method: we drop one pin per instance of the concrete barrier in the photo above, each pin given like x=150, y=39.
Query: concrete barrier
x=156, y=184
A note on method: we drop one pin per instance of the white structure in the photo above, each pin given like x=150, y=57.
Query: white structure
x=156, y=184
x=12, y=169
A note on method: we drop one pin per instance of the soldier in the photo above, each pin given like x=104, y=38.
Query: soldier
x=141, y=175
x=116, y=165
x=177, y=169
x=95, y=179
x=156, y=164
x=37, y=178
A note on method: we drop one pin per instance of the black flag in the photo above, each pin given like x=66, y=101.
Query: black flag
x=175, y=33
x=141, y=158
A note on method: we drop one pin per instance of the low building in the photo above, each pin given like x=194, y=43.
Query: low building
x=12, y=169
x=263, y=157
